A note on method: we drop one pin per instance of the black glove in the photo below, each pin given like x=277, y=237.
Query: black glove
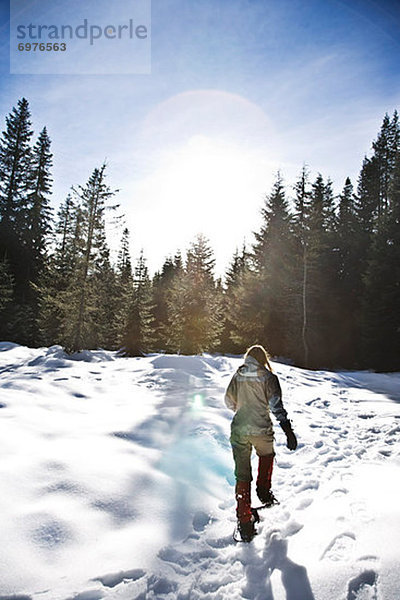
x=291, y=440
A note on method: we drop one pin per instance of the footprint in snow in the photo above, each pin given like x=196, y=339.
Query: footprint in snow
x=338, y=492
x=54, y=466
x=308, y=485
x=222, y=542
x=309, y=402
x=113, y=579
x=284, y=464
x=368, y=557
x=200, y=520
x=119, y=509
x=194, y=554
x=385, y=452
x=88, y=595
x=64, y=486
x=333, y=458
x=51, y=533
x=341, y=548
x=157, y=586
x=291, y=528
x=360, y=512
x=364, y=586
x=324, y=451
x=305, y=503
x=171, y=555
x=16, y=597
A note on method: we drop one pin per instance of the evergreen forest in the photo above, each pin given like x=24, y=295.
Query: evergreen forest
x=319, y=286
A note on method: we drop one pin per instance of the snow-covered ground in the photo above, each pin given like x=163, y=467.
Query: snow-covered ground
x=117, y=482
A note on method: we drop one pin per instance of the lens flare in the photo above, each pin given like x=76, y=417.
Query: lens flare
x=197, y=402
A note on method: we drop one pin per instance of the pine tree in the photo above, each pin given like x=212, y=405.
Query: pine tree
x=319, y=294
x=298, y=320
x=366, y=202
x=385, y=151
x=316, y=210
x=80, y=326
x=124, y=264
x=138, y=338
x=376, y=216
x=272, y=256
x=123, y=287
x=6, y=285
x=194, y=311
x=162, y=283
x=240, y=262
x=381, y=299
x=374, y=183
x=59, y=272
x=367, y=194
x=39, y=217
x=37, y=233
x=69, y=237
x=238, y=331
x=15, y=156
x=178, y=262
x=346, y=231
x=233, y=271
x=347, y=270
x=107, y=302
x=394, y=141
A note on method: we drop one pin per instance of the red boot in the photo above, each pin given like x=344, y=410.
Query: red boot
x=245, y=516
x=263, y=484
x=243, y=501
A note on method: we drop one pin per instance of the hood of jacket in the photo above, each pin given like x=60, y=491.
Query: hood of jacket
x=251, y=367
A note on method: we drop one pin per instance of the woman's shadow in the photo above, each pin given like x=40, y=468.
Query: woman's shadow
x=259, y=570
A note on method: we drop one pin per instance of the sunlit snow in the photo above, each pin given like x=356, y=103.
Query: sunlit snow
x=117, y=482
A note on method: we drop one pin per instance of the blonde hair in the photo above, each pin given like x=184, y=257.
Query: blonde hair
x=260, y=354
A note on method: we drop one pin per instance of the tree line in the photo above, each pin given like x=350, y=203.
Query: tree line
x=320, y=285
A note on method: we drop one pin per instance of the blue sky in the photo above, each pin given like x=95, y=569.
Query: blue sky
x=238, y=89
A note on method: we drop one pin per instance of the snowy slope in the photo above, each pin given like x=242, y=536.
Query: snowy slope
x=116, y=482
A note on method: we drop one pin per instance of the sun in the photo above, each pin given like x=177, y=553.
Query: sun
x=211, y=163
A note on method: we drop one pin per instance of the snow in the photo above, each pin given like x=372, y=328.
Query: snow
x=117, y=482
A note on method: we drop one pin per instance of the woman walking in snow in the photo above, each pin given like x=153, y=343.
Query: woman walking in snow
x=252, y=393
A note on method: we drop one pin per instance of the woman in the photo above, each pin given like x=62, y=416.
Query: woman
x=252, y=393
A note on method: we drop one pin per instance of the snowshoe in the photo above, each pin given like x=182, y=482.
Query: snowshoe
x=266, y=497
x=255, y=514
x=245, y=532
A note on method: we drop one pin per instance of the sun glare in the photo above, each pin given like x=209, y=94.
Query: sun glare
x=197, y=403
x=211, y=166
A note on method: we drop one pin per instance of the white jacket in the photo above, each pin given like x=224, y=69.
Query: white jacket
x=252, y=393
